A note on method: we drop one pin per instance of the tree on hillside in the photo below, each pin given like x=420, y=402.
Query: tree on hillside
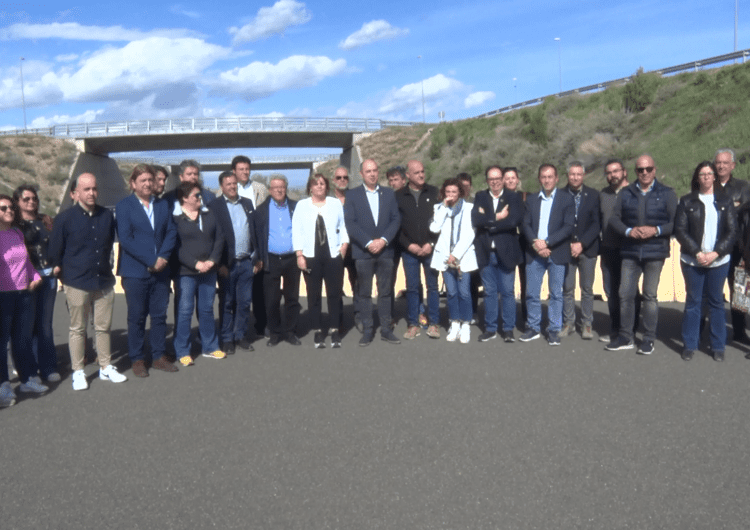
x=640, y=91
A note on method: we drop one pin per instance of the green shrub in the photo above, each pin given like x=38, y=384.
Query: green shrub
x=640, y=91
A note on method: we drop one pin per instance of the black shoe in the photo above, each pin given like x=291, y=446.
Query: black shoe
x=320, y=339
x=487, y=336
x=246, y=344
x=687, y=354
x=508, y=336
x=228, y=348
x=718, y=356
x=647, y=347
x=366, y=338
x=553, y=338
x=335, y=340
x=292, y=339
x=273, y=340
x=388, y=336
x=619, y=343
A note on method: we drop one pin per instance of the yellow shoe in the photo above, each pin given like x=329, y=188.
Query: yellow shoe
x=218, y=354
x=186, y=361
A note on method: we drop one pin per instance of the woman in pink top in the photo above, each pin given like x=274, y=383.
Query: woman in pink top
x=18, y=279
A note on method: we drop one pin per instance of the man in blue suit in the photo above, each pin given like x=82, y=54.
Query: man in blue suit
x=372, y=220
x=235, y=216
x=147, y=238
x=496, y=215
x=547, y=225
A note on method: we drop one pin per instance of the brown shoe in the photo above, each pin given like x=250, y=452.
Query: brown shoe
x=139, y=369
x=412, y=333
x=587, y=333
x=433, y=331
x=566, y=330
x=162, y=364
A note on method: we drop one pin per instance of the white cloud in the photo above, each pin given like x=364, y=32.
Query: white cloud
x=87, y=117
x=372, y=32
x=75, y=31
x=179, y=9
x=272, y=20
x=261, y=79
x=410, y=96
x=66, y=58
x=477, y=98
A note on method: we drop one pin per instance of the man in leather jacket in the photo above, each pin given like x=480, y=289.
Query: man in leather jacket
x=739, y=191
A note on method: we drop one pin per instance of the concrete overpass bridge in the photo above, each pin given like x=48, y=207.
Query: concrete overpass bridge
x=96, y=141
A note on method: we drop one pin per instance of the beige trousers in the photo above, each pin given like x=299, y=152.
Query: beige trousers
x=79, y=305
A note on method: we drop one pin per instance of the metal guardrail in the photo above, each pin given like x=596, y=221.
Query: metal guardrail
x=695, y=65
x=203, y=125
x=281, y=159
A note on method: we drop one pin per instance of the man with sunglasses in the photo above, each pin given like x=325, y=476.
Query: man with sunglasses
x=644, y=215
x=339, y=188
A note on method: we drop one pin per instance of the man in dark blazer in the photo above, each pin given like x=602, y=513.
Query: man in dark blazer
x=496, y=215
x=235, y=217
x=147, y=238
x=273, y=242
x=372, y=220
x=547, y=225
x=584, y=249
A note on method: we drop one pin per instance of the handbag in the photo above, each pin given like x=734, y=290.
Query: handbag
x=741, y=288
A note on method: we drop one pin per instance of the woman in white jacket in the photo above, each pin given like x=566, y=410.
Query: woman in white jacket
x=454, y=255
x=320, y=240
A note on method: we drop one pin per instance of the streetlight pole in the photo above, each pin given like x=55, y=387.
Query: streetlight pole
x=559, y=57
x=736, y=14
x=421, y=74
x=23, y=97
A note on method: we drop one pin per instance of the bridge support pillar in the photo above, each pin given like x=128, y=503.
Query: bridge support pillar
x=109, y=180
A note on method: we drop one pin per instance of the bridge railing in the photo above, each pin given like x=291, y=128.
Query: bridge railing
x=200, y=125
x=280, y=159
x=694, y=66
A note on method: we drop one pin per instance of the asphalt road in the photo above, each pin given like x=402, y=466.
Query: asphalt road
x=425, y=435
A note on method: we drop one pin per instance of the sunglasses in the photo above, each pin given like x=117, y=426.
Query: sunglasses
x=29, y=199
x=341, y=178
x=4, y=208
x=648, y=169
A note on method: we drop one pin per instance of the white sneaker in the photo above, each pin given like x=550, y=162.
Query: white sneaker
x=7, y=396
x=33, y=385
x=453, y=331
x=110, y=373
x=79, y=380
x=464, y=335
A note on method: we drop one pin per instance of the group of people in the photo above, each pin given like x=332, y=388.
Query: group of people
x=254, y=243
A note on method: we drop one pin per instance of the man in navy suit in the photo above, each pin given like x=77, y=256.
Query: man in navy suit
x=584, y=248
x=273, y=241
x=496, y=215
x=147, y=238
x=234, y=215
x=372, y=220
x=548, y=226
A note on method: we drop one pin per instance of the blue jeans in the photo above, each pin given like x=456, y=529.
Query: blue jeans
x=16, y=323
x=631, y=273
x=147, y=297
x=586, y=268
x=535, y=270
x=458, y=286
x=414, y=285
x=235, y=295
x=496, y=278
x=708, y=280
x=205, y=287
x=43, y=341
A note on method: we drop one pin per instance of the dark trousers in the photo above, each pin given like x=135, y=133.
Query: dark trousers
x=382, y=268
x=351, y=268
x=235, y=293
x=282, y=266
x=147, y=297
x=611, y=265
x=16, y=324
x=259, y=303
x=324, y=268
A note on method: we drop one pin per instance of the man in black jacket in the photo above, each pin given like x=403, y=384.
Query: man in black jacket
x=273, y=241
x=739, y=192
x=496, y=216
x=234, y=215
x=416, y=202
x=584, y=248
x=644, y=215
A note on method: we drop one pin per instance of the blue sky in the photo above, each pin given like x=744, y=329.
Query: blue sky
x=99, y=61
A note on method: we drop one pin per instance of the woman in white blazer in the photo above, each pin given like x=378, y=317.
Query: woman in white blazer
x=320, y=240
x=454, y=255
